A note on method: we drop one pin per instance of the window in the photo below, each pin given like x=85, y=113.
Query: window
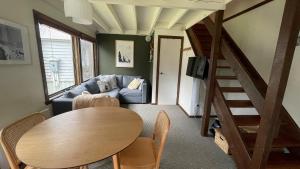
x=87, y=59
x=67, y=56
x=58, y=58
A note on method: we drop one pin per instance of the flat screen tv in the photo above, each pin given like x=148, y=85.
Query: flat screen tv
x=197, y=67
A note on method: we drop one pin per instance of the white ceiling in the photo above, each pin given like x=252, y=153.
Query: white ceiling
x=144, y=16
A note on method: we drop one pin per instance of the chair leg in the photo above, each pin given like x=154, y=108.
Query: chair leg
x=116, y=161
x=84, y=167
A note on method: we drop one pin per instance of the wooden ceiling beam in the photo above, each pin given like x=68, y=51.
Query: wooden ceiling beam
x=133, y=10
x=185, y=4
x=156, y=15
x=115, y=16
x=99, y=21
x=177, y=17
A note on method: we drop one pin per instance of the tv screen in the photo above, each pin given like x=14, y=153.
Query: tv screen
x=197, y=67
x=190, y=66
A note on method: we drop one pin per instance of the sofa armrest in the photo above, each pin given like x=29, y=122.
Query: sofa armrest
x=61, y=105
x=144, y=89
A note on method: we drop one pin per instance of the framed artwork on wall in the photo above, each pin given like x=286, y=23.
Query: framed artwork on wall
x=14, y=44
x=124, y=53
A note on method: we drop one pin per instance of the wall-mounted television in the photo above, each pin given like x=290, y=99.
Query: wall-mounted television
x=197, y=67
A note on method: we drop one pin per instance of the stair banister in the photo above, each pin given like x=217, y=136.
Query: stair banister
x=211, y=81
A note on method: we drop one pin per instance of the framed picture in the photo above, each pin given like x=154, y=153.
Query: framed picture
x=124, y=53
x=14, y=44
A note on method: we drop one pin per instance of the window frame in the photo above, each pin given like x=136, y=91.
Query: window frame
x=40, y=18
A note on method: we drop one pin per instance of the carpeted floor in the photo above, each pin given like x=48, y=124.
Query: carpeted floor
x=185, y=148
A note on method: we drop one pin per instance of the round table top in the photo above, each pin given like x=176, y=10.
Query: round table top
x=79, y=137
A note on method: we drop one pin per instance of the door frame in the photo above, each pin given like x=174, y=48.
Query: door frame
x=158, y=64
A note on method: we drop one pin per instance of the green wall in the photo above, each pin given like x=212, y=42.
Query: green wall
x=107, y=60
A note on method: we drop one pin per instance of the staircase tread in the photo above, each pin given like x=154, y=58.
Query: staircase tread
x=246, y=120
x=226, y=77
x=284, y=139
x=278, y=160
x=224, y=67
x=239, y=103
x=232, y=89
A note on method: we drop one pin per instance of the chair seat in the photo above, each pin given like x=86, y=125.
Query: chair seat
x=139, y=154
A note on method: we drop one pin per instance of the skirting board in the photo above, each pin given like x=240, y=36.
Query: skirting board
x=197, y=116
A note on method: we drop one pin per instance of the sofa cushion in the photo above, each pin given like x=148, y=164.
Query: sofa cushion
x=92, y=86
x=119, y=81
x=128, y=79
x=113, y=93
x=75, y=91
x=130, y=92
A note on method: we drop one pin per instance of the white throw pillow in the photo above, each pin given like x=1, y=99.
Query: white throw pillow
x=134, y=84
x=104, y=86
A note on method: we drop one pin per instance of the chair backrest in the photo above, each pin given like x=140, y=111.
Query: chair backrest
x=161, y=129
x=11, y=134
x=95, y=100
x=106, y=101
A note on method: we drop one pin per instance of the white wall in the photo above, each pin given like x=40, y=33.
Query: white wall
x=156, y=34
x=21, y=88
x=256, y=33
x=186, y=82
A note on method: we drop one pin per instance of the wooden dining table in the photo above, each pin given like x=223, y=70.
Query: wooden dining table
x=79, y=137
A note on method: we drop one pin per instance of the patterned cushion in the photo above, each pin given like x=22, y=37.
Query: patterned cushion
x=111, y=79
x=104, y=86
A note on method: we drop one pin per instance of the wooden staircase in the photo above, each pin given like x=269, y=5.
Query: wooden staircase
x=273, y=141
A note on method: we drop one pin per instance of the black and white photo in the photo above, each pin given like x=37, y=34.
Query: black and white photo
x=124, y=53
x=13, y=43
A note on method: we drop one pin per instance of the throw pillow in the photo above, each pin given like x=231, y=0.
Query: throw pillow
x=85, y=92
x=104, y=86
x=111, y=79
x=75, y=91
x=92, y=86
x=134, y=84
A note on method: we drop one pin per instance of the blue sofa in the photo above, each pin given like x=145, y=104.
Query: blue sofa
x=64, y=103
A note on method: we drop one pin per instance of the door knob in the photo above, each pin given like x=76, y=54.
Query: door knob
x=161, y=73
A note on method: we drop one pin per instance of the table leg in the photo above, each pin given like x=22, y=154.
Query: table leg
x=116, y=161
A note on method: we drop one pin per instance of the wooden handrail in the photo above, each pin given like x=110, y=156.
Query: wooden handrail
x=196, y=45
x=252, y=82
x=230, y=130
x=247, y=10
x=211, y=80
x=281, y=67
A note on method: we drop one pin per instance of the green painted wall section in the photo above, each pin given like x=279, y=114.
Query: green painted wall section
x=107, y=60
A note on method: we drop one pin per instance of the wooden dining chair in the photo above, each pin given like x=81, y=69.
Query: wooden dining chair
x=11, y=134
x=146, y=152
x=96, y=100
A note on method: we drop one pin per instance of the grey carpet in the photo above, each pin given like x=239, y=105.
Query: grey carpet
x=185, y=148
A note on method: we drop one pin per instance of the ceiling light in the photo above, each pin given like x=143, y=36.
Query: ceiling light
x=81, y=11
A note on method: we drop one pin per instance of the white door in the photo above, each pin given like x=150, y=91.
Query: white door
x=169, y=59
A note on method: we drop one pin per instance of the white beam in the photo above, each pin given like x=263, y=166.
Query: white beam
x=156, y=15
x=97, y=19
x=133, y=10
x=185, y=4
x=197, y=18
x=177, y=17
x=114, y=16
